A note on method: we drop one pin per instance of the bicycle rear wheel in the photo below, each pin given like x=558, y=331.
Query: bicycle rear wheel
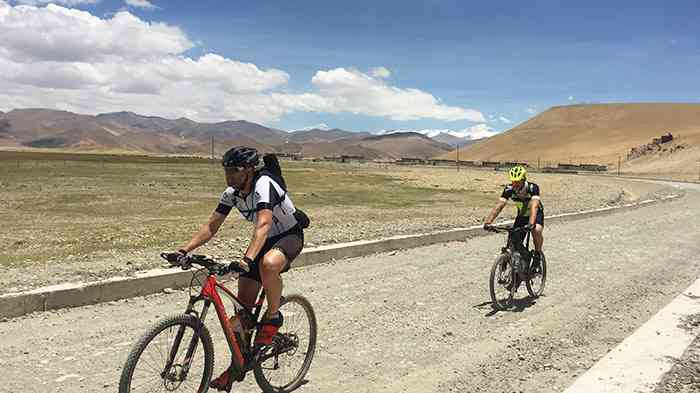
x=282, y=366
x=146, y=367
x=501, y=283
x=537, y=276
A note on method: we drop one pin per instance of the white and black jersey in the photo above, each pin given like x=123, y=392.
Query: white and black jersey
x=266, y=194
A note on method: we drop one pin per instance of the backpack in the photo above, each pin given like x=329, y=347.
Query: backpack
x=273, y=169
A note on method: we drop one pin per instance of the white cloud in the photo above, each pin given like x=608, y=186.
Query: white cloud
x=571, y=98
x=70, y=59
x=479, y=131
x=347, y=90
x=55, y=33
x=322, y=126
x=531, y=111
x=69, y=3
x=141, y=4
x=505, y=119
x=380, y=72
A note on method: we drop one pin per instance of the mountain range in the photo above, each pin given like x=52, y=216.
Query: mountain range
x=131, y=132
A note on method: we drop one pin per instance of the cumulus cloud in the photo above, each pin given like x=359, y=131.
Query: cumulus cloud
x=141, y=4
x=380, y=72
x=479, y=131
x=531, y=111
x=55, y=33
x=571, y=98
x=69, y=59
x=70, y=3
x=347, y=90
x=505, y=119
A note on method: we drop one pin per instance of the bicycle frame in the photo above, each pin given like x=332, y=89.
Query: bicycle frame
x=209, y=294
x=514, y=243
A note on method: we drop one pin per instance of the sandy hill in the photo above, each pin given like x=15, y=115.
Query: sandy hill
x=588, y=133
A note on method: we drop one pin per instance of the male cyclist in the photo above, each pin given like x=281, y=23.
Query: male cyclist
x=526, y=196
x=260, y=196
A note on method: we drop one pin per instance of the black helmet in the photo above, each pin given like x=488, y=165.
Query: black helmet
x=240, y=156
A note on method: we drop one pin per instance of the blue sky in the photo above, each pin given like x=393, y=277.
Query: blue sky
x=442, y=62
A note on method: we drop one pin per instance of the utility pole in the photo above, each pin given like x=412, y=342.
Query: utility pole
x=618, y=165
x=212, y=147
x=458, y=158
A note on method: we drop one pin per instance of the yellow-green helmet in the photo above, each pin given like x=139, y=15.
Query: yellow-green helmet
x=517, y=173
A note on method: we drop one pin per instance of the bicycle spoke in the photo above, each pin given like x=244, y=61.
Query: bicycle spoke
x=147, y=375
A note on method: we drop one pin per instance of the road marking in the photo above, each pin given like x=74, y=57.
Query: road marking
x=640, y=361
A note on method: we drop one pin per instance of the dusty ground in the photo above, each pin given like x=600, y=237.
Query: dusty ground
x=684, y=376
x=79, y=221
x=417, y=320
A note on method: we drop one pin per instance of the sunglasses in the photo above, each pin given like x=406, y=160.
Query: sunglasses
x=233, y=169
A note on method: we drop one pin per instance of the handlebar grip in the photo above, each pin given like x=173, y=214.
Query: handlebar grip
x=239, y=267
x=176, y=259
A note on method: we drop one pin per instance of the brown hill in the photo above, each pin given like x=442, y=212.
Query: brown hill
x=588, y=133
x=391, y=146
x=405, y=144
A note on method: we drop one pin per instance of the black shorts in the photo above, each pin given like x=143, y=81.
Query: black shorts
x=288, y=243
x=521, y=221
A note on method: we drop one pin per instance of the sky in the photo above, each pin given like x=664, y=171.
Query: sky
x=475, y=68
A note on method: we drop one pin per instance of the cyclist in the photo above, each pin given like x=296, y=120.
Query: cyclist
x=260, y=196
x=526, y=196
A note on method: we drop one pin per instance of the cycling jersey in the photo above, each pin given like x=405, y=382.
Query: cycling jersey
x=266, y=194
x=522, y=198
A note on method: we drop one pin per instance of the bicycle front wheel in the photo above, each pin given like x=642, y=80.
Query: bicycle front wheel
x=282, y=366
x=537, y=276
x=147, y=367
x=501, y=283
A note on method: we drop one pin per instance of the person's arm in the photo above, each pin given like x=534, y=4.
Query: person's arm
x=264, y=190
x=495, y=212
x=534, y=205
x=507, y=193
x=206, y=232
x=263, y=224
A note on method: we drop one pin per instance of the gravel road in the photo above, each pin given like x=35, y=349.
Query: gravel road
x=417, y=320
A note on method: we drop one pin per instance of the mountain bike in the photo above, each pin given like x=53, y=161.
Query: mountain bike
x=177, y=353
x=513, y=266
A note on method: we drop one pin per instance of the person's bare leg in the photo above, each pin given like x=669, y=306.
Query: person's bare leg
x=272, y=264
x=537, y=237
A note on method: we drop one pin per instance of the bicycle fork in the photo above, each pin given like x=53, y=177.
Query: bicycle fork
x=191, y=347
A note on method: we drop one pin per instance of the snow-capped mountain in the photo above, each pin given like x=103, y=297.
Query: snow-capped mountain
x=455, y=138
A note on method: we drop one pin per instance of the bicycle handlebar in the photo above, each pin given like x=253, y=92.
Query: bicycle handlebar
x=508, y=229
x=185, y=262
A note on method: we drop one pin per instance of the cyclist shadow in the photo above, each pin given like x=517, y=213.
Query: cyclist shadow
x=519, y=305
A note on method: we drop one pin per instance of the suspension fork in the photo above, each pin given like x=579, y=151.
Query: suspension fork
x=192, y=346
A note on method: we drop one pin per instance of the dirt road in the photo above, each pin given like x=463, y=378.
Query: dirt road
x=417, y=320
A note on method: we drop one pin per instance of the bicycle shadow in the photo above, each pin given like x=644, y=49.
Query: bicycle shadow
x=519, y=305
x=302, y=383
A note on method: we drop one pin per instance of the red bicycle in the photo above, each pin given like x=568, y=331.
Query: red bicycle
x=177, y=353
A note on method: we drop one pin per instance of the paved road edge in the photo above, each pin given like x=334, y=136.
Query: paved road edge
x=639, y=362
